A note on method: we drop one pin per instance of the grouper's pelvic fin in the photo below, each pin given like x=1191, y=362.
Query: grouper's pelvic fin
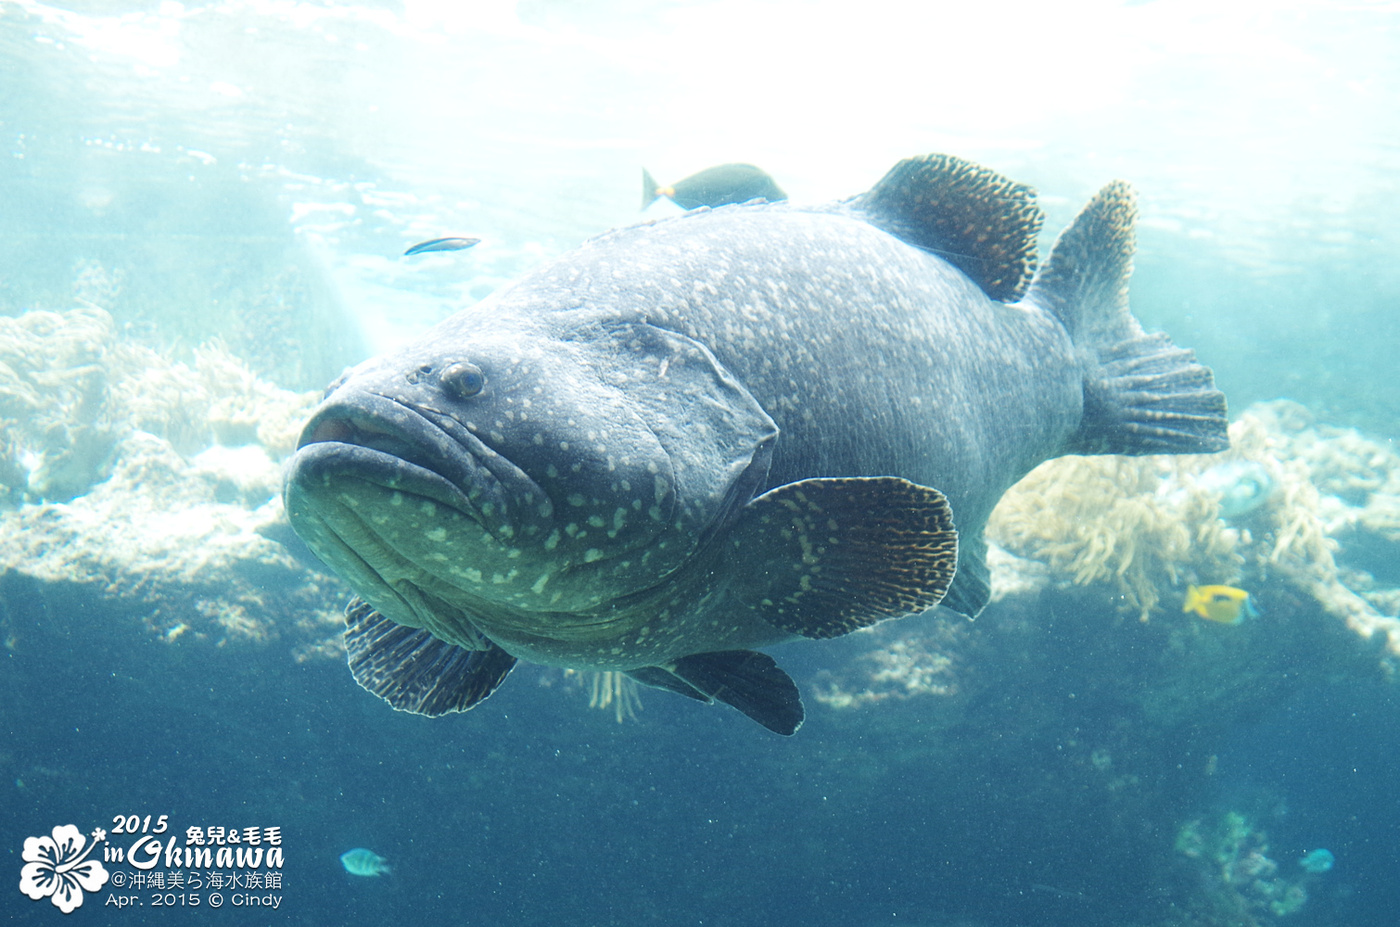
x=982, y=223
x=414, y=671
x=1142, y=394
x=747, y=680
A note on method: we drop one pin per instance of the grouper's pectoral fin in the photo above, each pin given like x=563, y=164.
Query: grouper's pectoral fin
x=824, y=557
x=414, y=671
x=747, y=680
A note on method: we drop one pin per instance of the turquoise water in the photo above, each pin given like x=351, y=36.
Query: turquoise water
x=252, y=172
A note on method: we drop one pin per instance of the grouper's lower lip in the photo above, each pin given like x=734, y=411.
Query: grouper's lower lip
x=326, y=463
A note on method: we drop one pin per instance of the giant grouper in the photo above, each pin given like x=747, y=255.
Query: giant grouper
x=716, y=432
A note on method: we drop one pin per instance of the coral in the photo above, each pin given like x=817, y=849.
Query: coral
x=54, y=371
x=1145, y=527
x=151, y=487
x=70, y=390
x=155, y=541
x=1241, y=884
x=1132, y=523
x=908, y=663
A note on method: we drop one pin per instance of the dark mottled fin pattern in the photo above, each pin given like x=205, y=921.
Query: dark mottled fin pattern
x=824, y=557
x=414, y=671
x=749, y=681
x=972, y=217
x=1144, y=395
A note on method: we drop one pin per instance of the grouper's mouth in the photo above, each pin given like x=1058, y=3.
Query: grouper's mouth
x=419, y=452
x=410, y=507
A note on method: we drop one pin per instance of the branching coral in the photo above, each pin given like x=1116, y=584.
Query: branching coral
x=1239, y=878
x=1133, y=523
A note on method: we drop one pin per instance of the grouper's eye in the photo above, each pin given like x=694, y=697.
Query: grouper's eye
x=462, y=381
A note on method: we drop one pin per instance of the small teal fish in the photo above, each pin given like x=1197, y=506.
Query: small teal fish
x=442, y=244
x=362, y=862
x=1318, y=860
x=715, y=186
x=1222, y=604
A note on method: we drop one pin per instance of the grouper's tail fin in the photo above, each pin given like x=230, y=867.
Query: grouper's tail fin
x=1142, y=394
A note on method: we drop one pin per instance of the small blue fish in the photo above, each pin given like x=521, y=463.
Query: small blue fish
x=362, y=862
x=442, y=244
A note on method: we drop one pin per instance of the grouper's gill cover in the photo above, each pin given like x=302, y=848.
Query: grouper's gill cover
x=737, y=427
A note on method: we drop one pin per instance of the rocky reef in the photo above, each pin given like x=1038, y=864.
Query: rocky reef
x=150, y=489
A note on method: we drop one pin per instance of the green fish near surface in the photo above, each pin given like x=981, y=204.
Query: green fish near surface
x=698, y=437
x=714, y=186
x=362, y=862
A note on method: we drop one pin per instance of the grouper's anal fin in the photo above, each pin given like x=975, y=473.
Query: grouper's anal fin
x=416, y=672
x=1142, y=394
x=747, y=680
x=982, y=223
x=823, y=557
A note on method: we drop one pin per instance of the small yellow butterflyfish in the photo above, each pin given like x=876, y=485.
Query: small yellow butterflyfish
x=1223, y=604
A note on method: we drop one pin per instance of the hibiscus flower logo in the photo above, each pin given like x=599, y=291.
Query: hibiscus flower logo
x=57, y=867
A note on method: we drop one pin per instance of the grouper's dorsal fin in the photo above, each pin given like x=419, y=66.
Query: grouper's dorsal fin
x=974, y=218
x=1085, y=280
